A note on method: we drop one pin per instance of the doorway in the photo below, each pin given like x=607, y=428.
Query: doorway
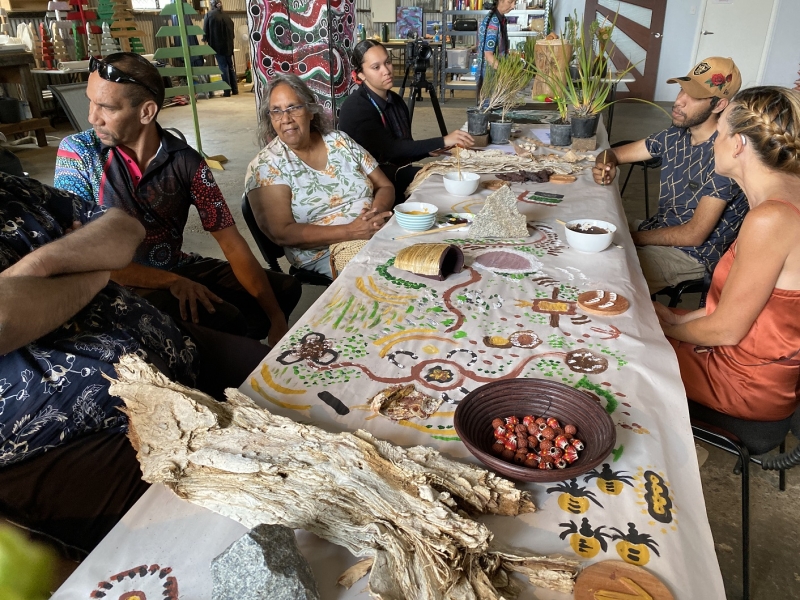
x=738, y=29
x=637, y=40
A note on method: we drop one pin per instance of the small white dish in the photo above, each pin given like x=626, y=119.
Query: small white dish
x=465, y=186
x=589, y=235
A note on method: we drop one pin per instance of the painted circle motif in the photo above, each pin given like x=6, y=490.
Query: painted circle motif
x=255, y=36
x=524, y=339
x=139, y=583
x=585, y=361
x=506, y=260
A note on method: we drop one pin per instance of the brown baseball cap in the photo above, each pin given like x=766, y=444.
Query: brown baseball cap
x=715, y=76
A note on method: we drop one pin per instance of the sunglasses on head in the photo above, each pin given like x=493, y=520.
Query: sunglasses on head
x=113, y=74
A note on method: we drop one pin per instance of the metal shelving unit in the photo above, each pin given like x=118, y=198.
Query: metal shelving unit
x=448, y=16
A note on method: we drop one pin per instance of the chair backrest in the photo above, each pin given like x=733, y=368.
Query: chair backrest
x=72, y=97
x=269, y=249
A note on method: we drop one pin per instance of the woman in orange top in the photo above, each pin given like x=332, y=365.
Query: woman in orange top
x=740, y=355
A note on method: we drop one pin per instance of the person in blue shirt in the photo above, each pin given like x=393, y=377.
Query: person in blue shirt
x=699, y=211
x=493, y=37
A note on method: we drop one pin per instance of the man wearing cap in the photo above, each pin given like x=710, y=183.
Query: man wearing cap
x=128, y=161
x=218, y=33
x=699, y=212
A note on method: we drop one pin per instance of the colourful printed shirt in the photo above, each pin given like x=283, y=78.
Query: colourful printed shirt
x=160, y=198
x=53, y=390
x=687, y=174
x=334, y=196
x=489, y=40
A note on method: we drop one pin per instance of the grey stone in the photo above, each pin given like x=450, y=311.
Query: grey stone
x=264, y=564
x=499, y=217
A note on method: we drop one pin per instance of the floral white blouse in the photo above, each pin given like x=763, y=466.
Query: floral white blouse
x=334, y=196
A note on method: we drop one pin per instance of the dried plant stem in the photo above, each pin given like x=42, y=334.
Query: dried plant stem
x=402, y=508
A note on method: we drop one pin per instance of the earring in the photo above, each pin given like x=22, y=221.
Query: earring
x=743, y=138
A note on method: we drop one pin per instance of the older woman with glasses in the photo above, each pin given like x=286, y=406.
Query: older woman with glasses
x=311, y=187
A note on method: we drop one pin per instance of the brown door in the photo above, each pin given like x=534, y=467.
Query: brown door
x=637, y=40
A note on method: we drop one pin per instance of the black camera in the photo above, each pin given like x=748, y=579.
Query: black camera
x=418, y=55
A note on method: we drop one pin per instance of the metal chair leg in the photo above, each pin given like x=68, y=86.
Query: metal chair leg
x=745, y=458
x=782, y=472
x=624, y=185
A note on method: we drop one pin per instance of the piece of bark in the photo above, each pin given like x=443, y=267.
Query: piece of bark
x=401, y=507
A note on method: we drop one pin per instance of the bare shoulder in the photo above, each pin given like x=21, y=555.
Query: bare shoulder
x=773, y=217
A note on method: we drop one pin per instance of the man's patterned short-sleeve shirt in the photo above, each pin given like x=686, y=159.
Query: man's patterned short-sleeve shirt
x=687, y=174
x=52, y=390
x=175, y=179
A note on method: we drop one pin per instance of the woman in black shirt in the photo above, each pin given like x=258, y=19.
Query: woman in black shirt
x=378, y=119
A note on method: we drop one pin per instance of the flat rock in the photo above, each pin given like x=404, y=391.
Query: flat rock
x=499, y=217
x=584, y=144
x=263, y=564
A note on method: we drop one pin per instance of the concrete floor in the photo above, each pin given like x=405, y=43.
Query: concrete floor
x=229, y=128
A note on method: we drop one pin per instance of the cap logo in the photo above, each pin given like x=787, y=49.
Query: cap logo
x=703, y=67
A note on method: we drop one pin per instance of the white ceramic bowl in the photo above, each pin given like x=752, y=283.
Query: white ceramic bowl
x=589, y=242
x=464, y=187
x=416, y=216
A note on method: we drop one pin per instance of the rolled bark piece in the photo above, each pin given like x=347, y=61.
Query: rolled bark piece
x=404, y=508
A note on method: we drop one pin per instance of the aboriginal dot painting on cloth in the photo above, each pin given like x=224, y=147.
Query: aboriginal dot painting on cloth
x=309, y=39
x=521, y=308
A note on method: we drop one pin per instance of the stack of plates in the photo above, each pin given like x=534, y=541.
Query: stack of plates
x=416, y=216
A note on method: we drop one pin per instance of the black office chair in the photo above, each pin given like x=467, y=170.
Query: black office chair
x=750, y=441
x=272, y=251
x=653, y=163
x=690, y=286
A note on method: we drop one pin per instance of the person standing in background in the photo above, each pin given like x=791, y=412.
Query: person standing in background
x=218, y=33
x=492, y=37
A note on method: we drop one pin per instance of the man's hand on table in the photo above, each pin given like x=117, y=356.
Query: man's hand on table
x=605, y=167
x=189, y=293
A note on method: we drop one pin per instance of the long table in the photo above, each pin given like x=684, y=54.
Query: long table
x=377, y=326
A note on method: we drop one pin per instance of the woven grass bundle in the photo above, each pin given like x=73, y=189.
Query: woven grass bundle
x=435, y=261
x=342, y=253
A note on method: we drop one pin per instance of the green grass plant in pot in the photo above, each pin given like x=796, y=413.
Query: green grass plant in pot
x=561, y=85
x=502, y=90
x=588, y=95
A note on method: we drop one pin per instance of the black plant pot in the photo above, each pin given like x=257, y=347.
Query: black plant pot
x=500, y=131
x=477, y=122
x=560, y=134
x=584, y=127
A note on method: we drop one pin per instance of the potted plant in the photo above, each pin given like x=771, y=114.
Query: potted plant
x=588, y=93
x=562, y=88
x=501, y=90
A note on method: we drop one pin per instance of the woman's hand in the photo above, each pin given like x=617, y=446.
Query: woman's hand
x=459, y=138
x=368, y=223
x=665, y=315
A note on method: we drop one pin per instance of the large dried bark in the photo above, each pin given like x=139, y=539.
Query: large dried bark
x=404, y=509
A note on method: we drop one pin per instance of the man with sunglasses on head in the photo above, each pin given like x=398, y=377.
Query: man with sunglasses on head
x=699, y=211
x=128, y=161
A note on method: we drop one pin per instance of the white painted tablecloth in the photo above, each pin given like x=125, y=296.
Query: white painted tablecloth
x=377, y=325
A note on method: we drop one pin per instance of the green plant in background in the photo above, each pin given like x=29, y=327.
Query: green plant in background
x=529, y=49
x=502, y=85
x=588, y=93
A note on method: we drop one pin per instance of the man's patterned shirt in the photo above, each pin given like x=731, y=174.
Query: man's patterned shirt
x=687, y=174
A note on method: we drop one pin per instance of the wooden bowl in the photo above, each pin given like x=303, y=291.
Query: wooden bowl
x=541, y=398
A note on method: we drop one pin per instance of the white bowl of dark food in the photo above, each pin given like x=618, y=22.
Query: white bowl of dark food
x=589, y=235
x=465, y=186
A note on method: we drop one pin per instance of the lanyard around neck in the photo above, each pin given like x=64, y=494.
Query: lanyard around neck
x=378, y=108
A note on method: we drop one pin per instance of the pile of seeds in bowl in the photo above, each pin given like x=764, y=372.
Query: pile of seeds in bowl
x=536, y=442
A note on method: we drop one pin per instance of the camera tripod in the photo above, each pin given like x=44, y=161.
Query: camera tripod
x=418, y=83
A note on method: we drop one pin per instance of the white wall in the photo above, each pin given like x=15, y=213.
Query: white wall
x=783, y=51
x=682, y=27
